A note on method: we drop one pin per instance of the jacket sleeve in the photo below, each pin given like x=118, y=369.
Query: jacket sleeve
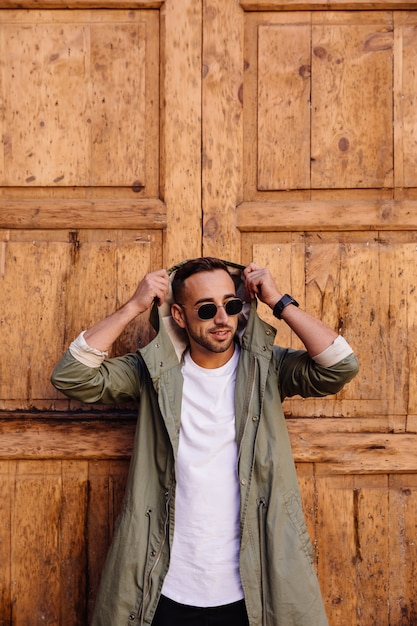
x=116, y=380
x=299, y=374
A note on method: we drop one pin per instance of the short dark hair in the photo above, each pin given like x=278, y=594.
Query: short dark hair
x=194, y=266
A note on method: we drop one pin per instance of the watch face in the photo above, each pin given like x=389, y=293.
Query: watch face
x=287, y=300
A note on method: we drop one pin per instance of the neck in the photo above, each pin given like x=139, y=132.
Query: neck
x=211, y=360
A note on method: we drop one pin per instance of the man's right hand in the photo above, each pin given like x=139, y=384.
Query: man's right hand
x=153, y=286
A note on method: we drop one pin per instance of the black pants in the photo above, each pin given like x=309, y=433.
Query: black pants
x=170, y=613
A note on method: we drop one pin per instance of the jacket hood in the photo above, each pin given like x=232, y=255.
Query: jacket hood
x=178, y=335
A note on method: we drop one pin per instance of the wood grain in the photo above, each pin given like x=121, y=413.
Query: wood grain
x=222, y=127
x=180, y=119
x=345, y=214
x=327, y=5
x=313, y=441
x=99, y=214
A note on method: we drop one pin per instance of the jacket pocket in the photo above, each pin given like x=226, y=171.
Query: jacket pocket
x=296, y=516
x=153, y=555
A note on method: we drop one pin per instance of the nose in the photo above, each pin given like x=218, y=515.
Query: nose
x=221, y=315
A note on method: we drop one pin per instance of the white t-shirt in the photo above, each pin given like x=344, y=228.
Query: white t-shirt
x=204, y=566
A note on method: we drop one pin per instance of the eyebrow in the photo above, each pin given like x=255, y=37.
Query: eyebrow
x=225, y=297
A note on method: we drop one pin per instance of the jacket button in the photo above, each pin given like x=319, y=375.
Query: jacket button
x=243, y=481
x=132, y=616
x=255, y=418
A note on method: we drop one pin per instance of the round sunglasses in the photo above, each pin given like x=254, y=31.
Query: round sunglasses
x=209, y=310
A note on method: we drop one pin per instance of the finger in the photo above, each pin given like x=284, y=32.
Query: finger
x=252, y=267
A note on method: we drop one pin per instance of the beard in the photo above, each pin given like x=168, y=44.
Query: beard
x=210, y=343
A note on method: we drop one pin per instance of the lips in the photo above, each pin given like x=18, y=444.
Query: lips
x=221, y=333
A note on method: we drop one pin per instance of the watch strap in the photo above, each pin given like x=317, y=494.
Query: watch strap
x=282, y=303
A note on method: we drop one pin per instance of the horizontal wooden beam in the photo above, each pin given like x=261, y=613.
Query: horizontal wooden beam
x=352, y=452
x=325, y=5
x=247, y=5
x=82, y=437
x=80, y=213
x=68, y=438
x=327, y=215
x=81, y=4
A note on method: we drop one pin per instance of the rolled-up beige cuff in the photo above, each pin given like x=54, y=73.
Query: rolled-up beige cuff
x=337, y=351
x=86, y=355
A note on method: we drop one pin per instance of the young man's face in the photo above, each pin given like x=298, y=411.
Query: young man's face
x=211, y=341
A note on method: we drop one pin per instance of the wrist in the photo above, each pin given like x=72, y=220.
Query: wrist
x=132, y=308
x=281, y=304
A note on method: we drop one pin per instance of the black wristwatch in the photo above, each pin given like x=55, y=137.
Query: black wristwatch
x=281, y=304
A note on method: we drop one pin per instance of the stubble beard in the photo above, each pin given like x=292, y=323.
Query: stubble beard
x=211, y=344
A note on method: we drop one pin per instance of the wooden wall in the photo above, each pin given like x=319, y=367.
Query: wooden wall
x=136, y=133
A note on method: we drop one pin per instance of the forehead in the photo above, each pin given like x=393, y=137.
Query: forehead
x=208, y=285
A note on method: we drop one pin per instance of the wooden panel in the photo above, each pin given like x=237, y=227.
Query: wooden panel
x=286, y=262
x=351, y=128
x=379, y=53
x=263, y=31
x=33, y=278
x=222, y=126
x=105, y=274
x=284, y=106
x=403, y=549
x=6, y=491
x=39, y=548
x=47, y=273
x=181, y=105
x=120, y=92
x=73, y=547
x=358, y=288
x=406, y=100
x=353, y=551
x=49, y=571
x=107, y=482
x=366, y=548
x=350, y=77
x=55, y=135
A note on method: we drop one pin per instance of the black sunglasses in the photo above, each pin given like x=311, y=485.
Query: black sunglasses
x=209, y=310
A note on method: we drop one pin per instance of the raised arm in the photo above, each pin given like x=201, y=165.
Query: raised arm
x=315, y=334
x=103, y=334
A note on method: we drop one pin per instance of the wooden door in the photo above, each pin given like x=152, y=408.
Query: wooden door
x=310, y=167
x=100, y=120
x=137, y=133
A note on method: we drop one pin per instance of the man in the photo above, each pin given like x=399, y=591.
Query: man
x=211, y=532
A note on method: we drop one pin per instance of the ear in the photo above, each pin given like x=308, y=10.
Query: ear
x=178, y=315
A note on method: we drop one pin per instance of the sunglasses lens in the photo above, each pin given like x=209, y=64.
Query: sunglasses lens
x=207, y=311
x=233, y=307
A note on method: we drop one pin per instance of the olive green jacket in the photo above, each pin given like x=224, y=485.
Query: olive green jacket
x=276, y=557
